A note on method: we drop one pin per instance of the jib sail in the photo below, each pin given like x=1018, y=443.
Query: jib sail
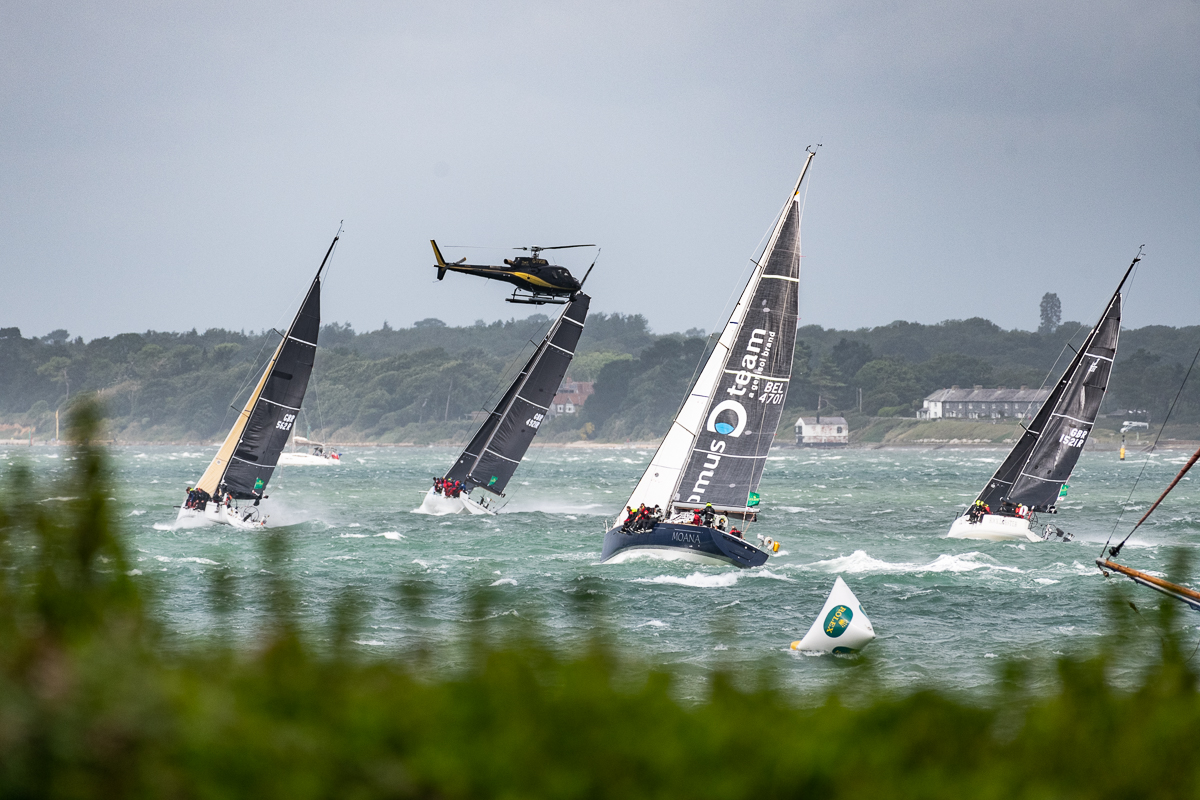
x=247, y=458
x=1041, y=462
x=717, y=446
x=496, y=449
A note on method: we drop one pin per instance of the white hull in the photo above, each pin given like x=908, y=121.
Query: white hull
x=217, y=514
x=994, y=528
x=306, y=460
x=440, y=505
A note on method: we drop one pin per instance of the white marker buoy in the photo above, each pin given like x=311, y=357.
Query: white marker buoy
x=841, y=627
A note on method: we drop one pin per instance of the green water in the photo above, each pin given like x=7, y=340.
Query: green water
x=944, y=610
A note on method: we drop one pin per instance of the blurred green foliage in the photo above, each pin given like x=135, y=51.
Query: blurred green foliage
x=94, y=704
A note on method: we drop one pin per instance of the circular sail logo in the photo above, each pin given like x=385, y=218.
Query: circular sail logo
x=731, y=424
x=837, y=620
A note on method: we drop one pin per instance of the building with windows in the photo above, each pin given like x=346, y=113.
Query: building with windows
x=570, y=397
x=980, y=403
x=822, y=431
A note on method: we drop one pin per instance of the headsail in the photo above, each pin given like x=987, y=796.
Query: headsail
x=717, y=446
x=496, y=449
x=247, y=458
x=1041, y=462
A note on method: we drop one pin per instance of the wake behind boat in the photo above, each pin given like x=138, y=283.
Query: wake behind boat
x=1034, y=475
x=496, y=449
x=711, y=460
x=247, y=458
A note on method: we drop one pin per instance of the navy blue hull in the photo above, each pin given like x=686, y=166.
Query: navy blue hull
x=693, y=542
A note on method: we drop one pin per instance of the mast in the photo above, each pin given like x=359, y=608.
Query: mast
x=716, y=447
x=1042, y=460
x=496, y=449
x=246, y=459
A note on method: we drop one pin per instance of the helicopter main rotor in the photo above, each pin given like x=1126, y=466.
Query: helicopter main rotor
x=533, y=251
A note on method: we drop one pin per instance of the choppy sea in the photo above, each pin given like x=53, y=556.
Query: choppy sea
x=943, y=609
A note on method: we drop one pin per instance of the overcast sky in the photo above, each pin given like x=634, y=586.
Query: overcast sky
x=169, y=165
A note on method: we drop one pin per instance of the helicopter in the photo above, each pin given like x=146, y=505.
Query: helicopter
x=537, y=281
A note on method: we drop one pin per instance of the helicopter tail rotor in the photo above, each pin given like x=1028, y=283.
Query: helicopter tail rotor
x=441, y=262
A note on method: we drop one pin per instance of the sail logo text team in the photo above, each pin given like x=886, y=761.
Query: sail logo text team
x=745, y=382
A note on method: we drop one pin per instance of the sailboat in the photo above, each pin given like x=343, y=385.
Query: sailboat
x=316, y=455
x=235, y=482
x=1034, y=475
x=717, y=446
x=495, y=451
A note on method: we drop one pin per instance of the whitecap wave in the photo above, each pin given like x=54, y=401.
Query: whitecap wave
x=696, y=579
x=766, y=573
x=395, y=536
x=859, y=561
x=503, y=582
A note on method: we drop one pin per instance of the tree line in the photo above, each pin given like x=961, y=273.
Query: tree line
x=422, y=383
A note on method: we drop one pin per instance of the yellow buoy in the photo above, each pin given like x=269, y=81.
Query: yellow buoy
x=1122, y=452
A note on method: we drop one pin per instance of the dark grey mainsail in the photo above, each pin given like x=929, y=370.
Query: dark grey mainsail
x=1041, y=462
x=717, y=445
x=246, y=460
x=744, y=409
x=496, y=449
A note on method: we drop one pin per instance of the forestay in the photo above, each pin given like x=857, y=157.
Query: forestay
x=496, y=449
x=717, y=446
x=1041, y=462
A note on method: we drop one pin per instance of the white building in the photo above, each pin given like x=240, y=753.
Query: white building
x=822, y=431
x=980, y=403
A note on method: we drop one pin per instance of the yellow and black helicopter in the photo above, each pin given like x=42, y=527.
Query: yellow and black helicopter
x=541, y=281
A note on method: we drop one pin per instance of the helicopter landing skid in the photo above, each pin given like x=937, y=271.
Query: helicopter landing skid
x=536, y=299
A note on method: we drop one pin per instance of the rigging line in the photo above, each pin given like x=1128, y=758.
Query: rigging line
x=1145, y=463
x=735, y=293
x=252, y=370
x=1053, y=369
x=507, y=376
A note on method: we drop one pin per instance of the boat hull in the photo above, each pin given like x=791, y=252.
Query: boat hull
x=439, y=505
x=218, y=514
x=682, y=542
x=994, y=528
x=305, y=460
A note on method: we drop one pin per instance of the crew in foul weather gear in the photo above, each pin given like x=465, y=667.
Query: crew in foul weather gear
x=708, y=514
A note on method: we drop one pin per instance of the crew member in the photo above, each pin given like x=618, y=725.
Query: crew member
x=708, y=514
x=630, y=516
